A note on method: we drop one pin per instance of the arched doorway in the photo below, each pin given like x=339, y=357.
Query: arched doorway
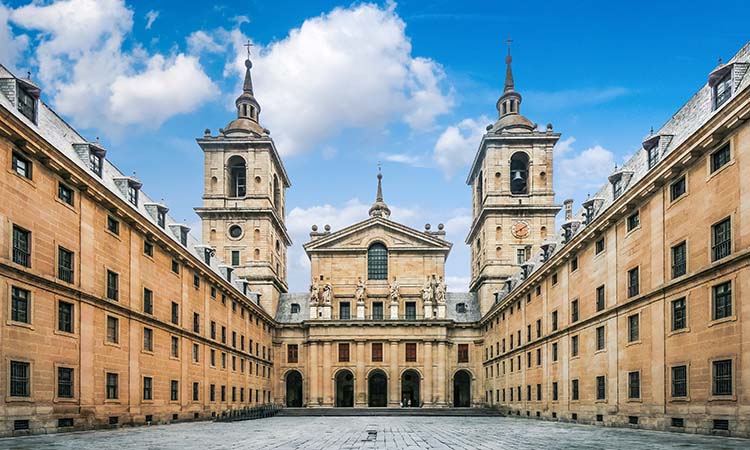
x=462, y=389
x=377, y=389
x=410, y=389
x=294, y=389
x=344, y=389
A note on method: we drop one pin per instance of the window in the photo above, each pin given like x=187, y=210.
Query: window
x=196, y=391
x=633, y=287
x=175, y=313
x=21, y=165
x=599, y=246
x=411, y=352
x=554, y=391
x=235, y=257
x=112, y=388
x=65, y=194
x=212, y=392
x=574, y=345
x=679, y=381
x=20, y=310
x=411, y=310
x=175, y=347
x=113, y=330
x=148, y=301
x=148, y=393
x=677, y=189
x=538, y=328
x=539, y=357
x=723, y=89
x=148, y=339
x=634, y=385
x=65, y=317
x=65, y=382
x=554, y=320
x=292, y=353
x=554, y=279
x=196, y=353
x=653, y=155
x=463, y=353
x=213, y=330
x=113, y=281
x=377, y=310
x=237, y=176
x=196, y=322
x=196, y=281
x=722, y=300
x=113, y=225
x=520, y=256
x=538, y=392
x=519, y=173
x=133, y=194
x=174, y=390
x=148, y=248
x=601, y=387
x=617, y=187
x=633, y=328
x=554, y=351
x=175, y=266
x=20, y=379
x=377, y=352
x=161, y=217
x=574, y=389
x=344, y=311
x=224, y=335
x=722, y=239
x=26, y=104
x=184, y=236
x=679, y=259
x=96, y=162
x=212, y=358
x=600, y=299
x=574, y=311
x=574, y=264
x=21, y=246
x=600, y=338
x=679, y=314
x=633, y=221
x=722, y=377
x=343, y=352
x=377, y=262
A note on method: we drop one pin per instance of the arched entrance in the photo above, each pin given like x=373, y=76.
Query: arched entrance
x=462, y=389
x=344, y=389
x=377, y=389
x=294, y=389
x=410, y=389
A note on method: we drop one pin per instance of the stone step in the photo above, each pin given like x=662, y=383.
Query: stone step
x=474, y=412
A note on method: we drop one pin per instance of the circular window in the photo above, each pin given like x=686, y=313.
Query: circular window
x=235, y=231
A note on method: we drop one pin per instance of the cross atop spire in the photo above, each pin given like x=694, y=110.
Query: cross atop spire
x=508, y=41
x=248, y=45
x=379, y=208
x=509, y=83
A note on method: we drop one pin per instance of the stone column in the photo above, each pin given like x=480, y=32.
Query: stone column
x=360, y=399
x=428, y=395
x=313, y=376
x=394, y=380
x=441, y=392
x=325, y=376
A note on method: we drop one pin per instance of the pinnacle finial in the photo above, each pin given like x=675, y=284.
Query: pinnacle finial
x=380, y=185
x=379, y=208
x=509, y=83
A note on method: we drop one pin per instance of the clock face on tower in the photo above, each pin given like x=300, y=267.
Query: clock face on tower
x=521, y=230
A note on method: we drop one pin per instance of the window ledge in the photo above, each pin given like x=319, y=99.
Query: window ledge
x=116, y=236
x=65, y=334
x=113, y=344
x=723, y=320
x=677, y=332
x=23, y=178
x=633, y=343
x=67, y=205
x=64, y=400
x=679, y=399
x=722, y=398
x=717, y=171
x=13, y=323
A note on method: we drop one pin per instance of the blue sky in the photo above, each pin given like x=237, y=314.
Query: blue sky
x=345, y=85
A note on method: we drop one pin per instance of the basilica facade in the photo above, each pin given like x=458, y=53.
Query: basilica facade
x=627, y=311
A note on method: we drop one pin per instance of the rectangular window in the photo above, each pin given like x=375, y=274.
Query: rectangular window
x=223, y=334
x=411, y=352
x=599, y=246
x=175, y=347
x=112, y=386
x=196, y=391
x=539, y=357
x=148, y=248
x=148, y=393
x=574, y=311
x=212, y=392
x=679, y=314
x=554, y=391
x=113, y=284
x=600, y=338
x=538, y=328
x=554, y=351
x=213, y=330
x=343, y=352
x=65, y=194
x=133, y=194
x=633, y=328
x=574, y=264
x=196, y=352
x=574, y=345
x=344, y=311
x=148, y=301
x=377, y=352
x=679, y=259
x=175, y=313
x=601, y=388
x=113, y=330
x=21, y=165
x=65, y=317
x=720, y=158
x=174, y=390
x=463, y=353
x=528, y=392
x=634, y=385
x=721, y=239
x=292, y=353
x=377, y=310
x=600, y=299
x=633, y=221
x=554, y=279
x=679, y=381
x=722, y=300
x=411, y=310
x=21, y=246
x=20, y=379
x=554, y=320
x=723, y=90
x=653, y=156
x=722, y=377
x=633, y=282
x=538, y=392
x=20, y=310
x=212, y=358
x=520, y=256
x=235, y=257
x=175, y=266
x=196, y=281
x=113, y=225
x=574, y=390
x=148, y=339
x=26, y=104
x=65, y=382
x=677, y=189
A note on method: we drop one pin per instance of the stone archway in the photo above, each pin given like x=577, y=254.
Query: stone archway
x=293, y=389
x=410, y=381
x=377, y=389
x=462, y=389
x=344, y=384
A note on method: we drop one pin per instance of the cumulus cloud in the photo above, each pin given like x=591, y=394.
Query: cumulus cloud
x=564, y=146
x=11, y=47
x=457, y=145
x=91, y=78
x=578, y=173
x=151, y=17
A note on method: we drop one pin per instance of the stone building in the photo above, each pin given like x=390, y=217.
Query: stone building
x=628, y=314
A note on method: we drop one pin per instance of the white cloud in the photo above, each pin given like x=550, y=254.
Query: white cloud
x=151, y=17
x=562, y=147
x=578, y=97
x=582, y=173
x=457, y=145
x=11, y=47
x=200, y=42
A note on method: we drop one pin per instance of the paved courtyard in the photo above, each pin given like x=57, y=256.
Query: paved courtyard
x=392, y=433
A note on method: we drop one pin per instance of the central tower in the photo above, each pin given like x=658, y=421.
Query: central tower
x=513, y=201
x=243, y=212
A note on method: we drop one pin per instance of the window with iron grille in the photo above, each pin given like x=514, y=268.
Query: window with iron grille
x=574, y=345
x=65, y=382
x=634, y=385
x=723, y=89
x=600, y=298
x=113, y=282
x=20, y=379
x=21, y=246
x=65, y=194
x=343, y=352
x=411, y=352
x=20, y=310
x=65, y=317
x=633, y=282
x=679, y=381
x=113, y=330
x=722, y=300
x=574, y=311
x=679, y=314
x=377, y=262
x=344, y=311
x=633, y=221
x=679, y=259
x=722, y=377
x=148, y=393
x=574, y=390
x=113, y=225
x=601, y=387
x=463, y=353
x=292, y=353
x=599, y=246
x=677, y=189
x=633, y=328
x=176, y=314
x=175, y=347
x=21, y=165
x=112, y=386
x=600, y=342
x=148, y=339
x=721, y=239
x=377, y=352
x=411, y=310
x=377, y=310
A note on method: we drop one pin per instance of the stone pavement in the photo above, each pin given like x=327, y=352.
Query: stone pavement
x=350, y=433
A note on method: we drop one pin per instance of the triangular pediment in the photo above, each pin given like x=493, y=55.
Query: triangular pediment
x=395, y=236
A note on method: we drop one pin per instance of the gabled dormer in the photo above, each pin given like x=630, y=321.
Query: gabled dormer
x=724, y=81
x=655, y=146
x=130, y=188
x=92, y=153
x=619, y=180
x=591, y=208
x=23, y=93
x=181, y=232
x=158, y=212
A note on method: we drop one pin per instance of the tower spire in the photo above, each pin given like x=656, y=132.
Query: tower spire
x=509, y=83
x=379, y=208
x=248, y=108
x=247, y=86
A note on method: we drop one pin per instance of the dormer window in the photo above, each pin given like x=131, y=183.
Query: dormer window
x=27, y=103
x=161, y=217
x=184, y=236
x=653, y=156
x=723, y=89
x=95, y=163
x=295, y=308
x=133, y=194
x=589, y=213
x=617, y=188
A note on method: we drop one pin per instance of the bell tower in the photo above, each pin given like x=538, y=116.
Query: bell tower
x=514, y=207
x=243, y=211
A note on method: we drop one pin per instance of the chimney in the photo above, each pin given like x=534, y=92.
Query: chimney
x=568, y=209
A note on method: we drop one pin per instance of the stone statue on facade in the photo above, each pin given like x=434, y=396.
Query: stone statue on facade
x=359, y=293
x=327, y=293
x=427, y=291
x=440, y=290
x=394, y=291
x=314, y=293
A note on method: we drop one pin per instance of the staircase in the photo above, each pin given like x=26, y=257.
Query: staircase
x=319, y=412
